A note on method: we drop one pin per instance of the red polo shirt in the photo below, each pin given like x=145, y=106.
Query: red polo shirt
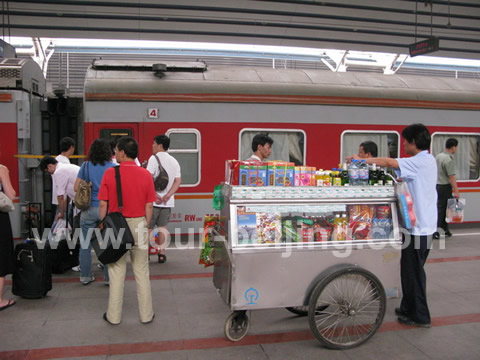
x=137, y=189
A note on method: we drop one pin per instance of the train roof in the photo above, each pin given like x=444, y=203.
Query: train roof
x=113, y=80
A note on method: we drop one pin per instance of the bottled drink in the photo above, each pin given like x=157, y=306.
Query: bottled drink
x=373, y=175
x=344, y=174
x=353, y=173
x=381, y=177
x=363, y=173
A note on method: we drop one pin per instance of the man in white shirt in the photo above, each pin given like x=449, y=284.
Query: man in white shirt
x=64, y=177
x=419, y=172
x=67, y=147
x=261, y=147
x=165, y=198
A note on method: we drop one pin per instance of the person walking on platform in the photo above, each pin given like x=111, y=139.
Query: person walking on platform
x=446, y=183
x=419, y=171
x=7, y=254
x=138, y=196
x=165, y=201
x=261, y=147
x=99, y=156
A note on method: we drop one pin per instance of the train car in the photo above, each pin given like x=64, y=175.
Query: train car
x=315, y=117
x=22, y=86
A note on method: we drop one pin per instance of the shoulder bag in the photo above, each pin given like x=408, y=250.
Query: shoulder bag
x=6, y=204
x=83, y=196
x=113, y=238
x=161, y=181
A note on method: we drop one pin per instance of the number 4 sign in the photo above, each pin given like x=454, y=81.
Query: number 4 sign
x=153, y=113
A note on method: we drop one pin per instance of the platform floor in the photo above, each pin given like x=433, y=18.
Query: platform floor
x=190, y=317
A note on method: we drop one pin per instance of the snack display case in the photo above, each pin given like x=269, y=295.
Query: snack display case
x=330, y=252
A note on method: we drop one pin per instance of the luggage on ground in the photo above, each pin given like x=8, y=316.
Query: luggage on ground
x=32, y=278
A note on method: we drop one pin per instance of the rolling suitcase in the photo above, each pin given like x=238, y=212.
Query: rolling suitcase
x=32, y=278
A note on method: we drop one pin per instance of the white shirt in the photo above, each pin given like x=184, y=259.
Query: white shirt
x=62, y=159
x=114, y=160
x=172, y=167
x=254, y=158
x=420, y=174
x=65, y=176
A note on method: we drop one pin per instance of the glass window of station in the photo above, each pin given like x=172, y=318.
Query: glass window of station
x=185, y=147
x=467, y=156
x=288, y=145
x=387, y=142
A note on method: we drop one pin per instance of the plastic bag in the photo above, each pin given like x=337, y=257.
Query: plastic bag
x=455, y=210
x=405, y=205
x=60, y=230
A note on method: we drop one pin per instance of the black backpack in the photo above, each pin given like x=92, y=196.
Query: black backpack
x=161, y=181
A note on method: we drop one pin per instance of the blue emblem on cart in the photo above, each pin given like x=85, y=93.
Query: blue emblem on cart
x=251, y=295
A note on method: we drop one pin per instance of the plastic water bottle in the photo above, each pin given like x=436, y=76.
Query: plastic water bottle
x=363, y=173
x=353, y=174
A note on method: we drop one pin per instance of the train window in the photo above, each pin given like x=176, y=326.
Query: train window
x=185, y=147
x=467, y=157
x=387, y=142
x=288, y=145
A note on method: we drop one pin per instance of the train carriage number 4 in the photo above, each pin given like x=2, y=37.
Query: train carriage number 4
x=153, y=113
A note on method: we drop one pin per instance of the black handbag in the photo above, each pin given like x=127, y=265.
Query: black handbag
x=113, y=237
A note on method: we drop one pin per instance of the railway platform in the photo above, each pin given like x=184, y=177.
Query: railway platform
x=190, y=316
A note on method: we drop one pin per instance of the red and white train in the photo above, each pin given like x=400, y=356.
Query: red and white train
x=315, y=117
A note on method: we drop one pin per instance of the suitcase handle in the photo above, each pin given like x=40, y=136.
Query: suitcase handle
x=30, y=252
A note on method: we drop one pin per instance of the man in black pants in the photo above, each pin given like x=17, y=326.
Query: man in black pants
x=419, y=173
x=446, y=183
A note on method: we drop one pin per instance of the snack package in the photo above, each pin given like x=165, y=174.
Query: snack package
x=289, y=230
x=405, y=205
x=207, y=253
x=381, y=228
x=323, y=228
x=455, y=210
x=360, y=221
x=269, y=228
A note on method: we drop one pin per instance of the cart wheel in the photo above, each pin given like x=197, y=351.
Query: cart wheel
x=356, y=306
x=298, y=310
x=303, y=310
x=237, y=325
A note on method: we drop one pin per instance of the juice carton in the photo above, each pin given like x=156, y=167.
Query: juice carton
x=244, y=175
x=280, y=173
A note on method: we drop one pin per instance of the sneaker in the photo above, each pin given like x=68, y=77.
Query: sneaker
x=106, y=283
x=448, y=234
x=88, y=281
x=399, y=312
x=410, y=322
x=100, y=266
x=76, y=268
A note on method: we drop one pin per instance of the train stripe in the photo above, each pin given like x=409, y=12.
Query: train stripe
x=282, y=99
x=205, y=343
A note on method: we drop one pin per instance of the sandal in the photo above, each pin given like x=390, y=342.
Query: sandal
x=162, y=258
x=9, y=303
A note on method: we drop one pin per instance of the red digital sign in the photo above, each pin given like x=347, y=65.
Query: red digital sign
x=424, y=47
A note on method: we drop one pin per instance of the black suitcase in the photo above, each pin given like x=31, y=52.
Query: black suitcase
x=61, y=257
x=32, y=278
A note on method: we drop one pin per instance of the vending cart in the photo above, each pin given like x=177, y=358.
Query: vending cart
x=332, y=253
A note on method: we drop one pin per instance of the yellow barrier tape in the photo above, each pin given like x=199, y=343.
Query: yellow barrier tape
x=22, y=156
